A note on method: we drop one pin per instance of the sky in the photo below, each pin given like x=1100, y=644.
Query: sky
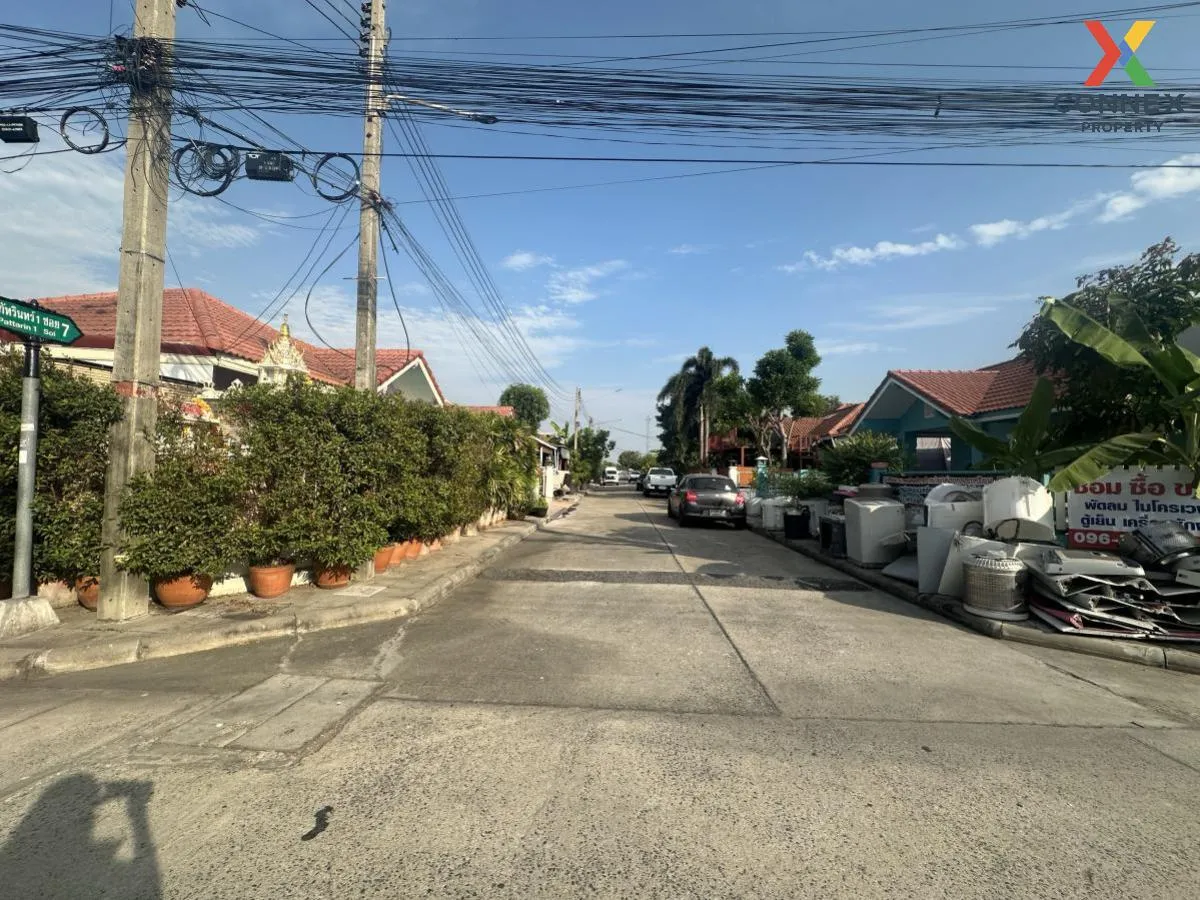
x=614, y=286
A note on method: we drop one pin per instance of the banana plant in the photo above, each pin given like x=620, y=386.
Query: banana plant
x=1030, y=449
x=1175, y=368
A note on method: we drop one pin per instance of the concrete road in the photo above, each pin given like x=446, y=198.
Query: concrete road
x=618, y=708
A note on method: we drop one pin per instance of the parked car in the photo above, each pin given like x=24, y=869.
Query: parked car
x=712, y=497
x=635, y=477
x=658, y=482
x=611, y=476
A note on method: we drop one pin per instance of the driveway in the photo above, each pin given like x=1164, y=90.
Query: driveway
x=618, y=707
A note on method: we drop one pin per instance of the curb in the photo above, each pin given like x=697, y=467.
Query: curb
x=1156, y=656
x=124, y=650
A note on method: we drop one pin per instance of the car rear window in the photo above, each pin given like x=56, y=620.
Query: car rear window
x=661, y=472
x=711, y=484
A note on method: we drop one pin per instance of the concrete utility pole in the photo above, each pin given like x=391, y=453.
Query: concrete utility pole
x=139, y=291
x=648, y=420
x=368, y=238
x=578, y=402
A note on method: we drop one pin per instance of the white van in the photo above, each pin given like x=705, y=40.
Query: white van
x=611, y=476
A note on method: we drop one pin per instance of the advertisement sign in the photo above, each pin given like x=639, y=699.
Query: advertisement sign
x=1125, y=499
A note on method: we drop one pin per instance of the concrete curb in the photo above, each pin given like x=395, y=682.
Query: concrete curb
x=1158, y=656
x=123, y=650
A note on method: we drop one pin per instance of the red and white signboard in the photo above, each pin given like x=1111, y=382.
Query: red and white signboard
x=1125, y=499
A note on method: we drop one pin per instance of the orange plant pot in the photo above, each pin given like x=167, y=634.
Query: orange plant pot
x=383, y=558
x=333, y=577
x=87, y=592
x=268, y=582
x=412, y=549
x=183, y=592
x=399, y=552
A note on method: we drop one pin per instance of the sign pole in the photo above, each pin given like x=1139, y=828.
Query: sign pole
x=27, y=470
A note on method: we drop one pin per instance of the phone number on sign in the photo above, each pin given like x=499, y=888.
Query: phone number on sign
x=1085, y=537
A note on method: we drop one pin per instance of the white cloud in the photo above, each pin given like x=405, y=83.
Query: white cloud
x=523, y=260
x=578, y=285
x=689, y=250
x=847, y=348
x=988, y=234
x=867, y=256
x=61, y=228
x=1153, y=185
x=914, y=316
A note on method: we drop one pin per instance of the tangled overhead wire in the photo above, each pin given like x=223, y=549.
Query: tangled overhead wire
x=84, y=129
x=195, y=163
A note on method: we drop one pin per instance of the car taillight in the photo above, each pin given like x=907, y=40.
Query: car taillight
x=690, y=496
x=741, y=499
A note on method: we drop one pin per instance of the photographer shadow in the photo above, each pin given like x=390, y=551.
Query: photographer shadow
x=56, y=850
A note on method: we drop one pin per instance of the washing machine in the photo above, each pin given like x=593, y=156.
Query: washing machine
x=872, y=531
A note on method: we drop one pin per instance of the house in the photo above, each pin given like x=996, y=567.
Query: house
x=506, y=412
x=553, y=465
x=916, y=406
x=805, y=435
x=208, y=345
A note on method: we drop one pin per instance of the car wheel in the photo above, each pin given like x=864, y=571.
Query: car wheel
x=683, y=522
x=740, y=525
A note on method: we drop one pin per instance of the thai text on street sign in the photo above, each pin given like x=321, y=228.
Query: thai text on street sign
x=1125, y=499
x=40, y=324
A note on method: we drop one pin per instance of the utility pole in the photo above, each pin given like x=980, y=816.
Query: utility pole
x=139, y=291
x=375, y=41
x=648, y=418
x=578, y=401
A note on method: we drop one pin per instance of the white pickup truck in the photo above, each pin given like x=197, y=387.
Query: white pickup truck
x=658, y=481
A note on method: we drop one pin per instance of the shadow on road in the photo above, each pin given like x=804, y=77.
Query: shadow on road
x=74, y=844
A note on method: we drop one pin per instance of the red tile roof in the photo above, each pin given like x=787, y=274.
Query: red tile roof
x=1006, y=385
x=507, y=412
x=196, y=323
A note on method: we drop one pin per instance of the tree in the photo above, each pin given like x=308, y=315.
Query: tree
x=694, y=393
x=528, y=402
x=1097, y=396
x=630, y=459
x=783, y=386
x=594, y=446
x=1175, y=375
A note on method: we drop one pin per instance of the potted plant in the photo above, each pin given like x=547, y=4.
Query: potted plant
x=345, y=542
x=179, y=519
x=271, y=559
x=69, y=545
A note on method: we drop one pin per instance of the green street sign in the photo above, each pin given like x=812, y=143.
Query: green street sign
x=42, y=324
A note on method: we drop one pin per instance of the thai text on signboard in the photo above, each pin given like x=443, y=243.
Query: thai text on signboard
x=1100, y=512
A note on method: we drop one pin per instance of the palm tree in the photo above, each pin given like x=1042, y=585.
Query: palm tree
x=693, y=391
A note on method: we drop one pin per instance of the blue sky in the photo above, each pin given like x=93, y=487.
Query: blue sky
x=614, y=286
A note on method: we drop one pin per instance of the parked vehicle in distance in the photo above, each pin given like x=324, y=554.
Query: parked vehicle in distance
x=611, y=476
x=635, y=477
x=712, y=497
x=658, y=481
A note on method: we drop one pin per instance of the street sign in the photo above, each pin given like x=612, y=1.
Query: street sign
x=40, y=324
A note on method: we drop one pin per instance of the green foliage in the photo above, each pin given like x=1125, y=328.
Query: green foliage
x=179, y=519
x=848, y=460
x=811, y=485
x=783, y=385
x=588, y=464
x=1100, y=397
x=74, y=419
x=690, y=402
x=630, y=459
x=529, y=404
x=1173, y=371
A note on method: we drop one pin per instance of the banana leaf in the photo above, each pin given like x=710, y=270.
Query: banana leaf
x=1102, y=459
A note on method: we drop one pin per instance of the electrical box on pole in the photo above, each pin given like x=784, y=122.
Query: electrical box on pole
x=269, y=166
x=18, y=130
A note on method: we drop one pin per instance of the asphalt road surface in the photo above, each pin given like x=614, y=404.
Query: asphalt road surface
x=617, y=708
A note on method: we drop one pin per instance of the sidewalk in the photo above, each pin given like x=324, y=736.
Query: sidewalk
x=82, y=642
x=1178, y=658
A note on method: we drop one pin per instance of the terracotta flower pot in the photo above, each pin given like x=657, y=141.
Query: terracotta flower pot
x=328, y=578
x=87, y=591
x=383, y=558
x=268, y=582
x=183, y=592
x=399, y=552
x=412, y=549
